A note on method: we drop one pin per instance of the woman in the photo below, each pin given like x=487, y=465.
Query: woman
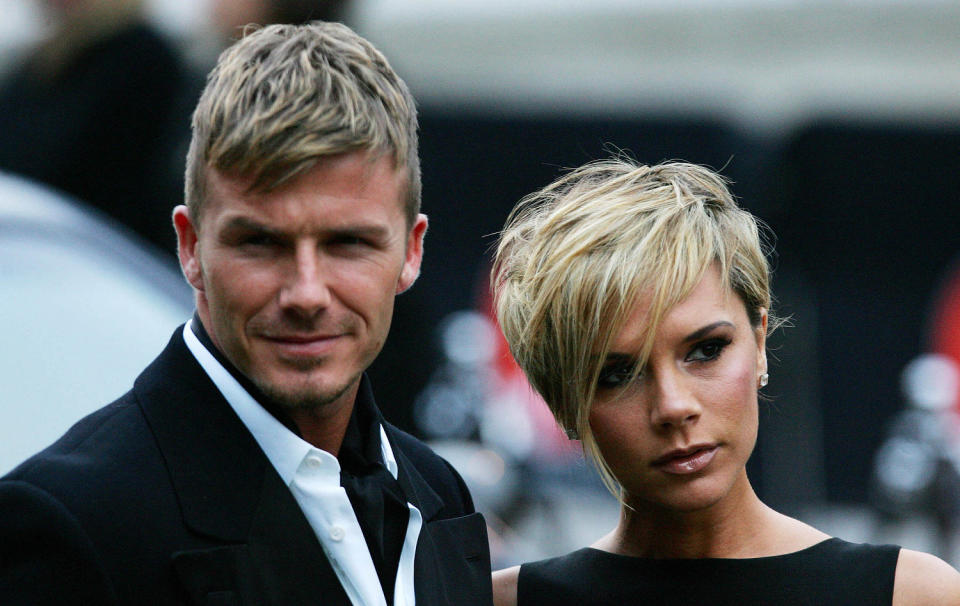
x=637, y=301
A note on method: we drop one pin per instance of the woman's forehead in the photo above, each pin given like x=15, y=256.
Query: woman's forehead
x=710, y=301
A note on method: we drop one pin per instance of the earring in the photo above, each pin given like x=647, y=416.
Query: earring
x=764, y=379
x=572, y=434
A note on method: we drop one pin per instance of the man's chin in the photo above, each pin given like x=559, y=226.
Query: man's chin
x=304, y=396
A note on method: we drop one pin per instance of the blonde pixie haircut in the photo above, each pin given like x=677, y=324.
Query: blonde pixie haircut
x=285, y=96
x=575, y=257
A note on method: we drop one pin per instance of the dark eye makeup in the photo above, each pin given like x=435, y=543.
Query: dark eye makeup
x=708, y=350
x=616, y=373
x=620, y=369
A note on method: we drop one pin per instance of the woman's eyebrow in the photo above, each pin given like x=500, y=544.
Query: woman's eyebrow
x=701, y=332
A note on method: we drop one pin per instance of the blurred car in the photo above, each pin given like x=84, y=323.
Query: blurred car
x=84, y=304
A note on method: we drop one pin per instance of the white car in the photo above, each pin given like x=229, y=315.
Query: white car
x=84, y=307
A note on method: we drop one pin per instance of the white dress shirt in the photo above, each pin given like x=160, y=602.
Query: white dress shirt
x=313, y=476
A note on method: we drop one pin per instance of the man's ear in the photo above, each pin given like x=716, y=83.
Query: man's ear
x=414, y=254
x=187, y=246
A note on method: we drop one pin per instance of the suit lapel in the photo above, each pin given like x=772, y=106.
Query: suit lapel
x=453, y=559
x=415, y=488
x=229, y=492
x=215, y=465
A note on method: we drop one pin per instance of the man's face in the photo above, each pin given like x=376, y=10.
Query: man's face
x=296, y=285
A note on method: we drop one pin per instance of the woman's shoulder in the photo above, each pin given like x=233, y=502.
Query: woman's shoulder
x=505, y=586
x=560, y=577
x=923, y=579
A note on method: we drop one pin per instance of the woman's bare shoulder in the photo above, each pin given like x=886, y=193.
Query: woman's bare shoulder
x=925, y=580
x=505, y=586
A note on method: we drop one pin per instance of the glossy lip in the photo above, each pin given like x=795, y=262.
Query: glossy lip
x=683, y=461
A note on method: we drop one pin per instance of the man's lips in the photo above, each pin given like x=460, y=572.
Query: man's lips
x=688, y=460
x=304, y=345
x=300, y=338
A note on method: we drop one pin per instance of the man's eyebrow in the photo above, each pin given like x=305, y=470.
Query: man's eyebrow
x=701, y=332
x=374, y=231
x=248, y=224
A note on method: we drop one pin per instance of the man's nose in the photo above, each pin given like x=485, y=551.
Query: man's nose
x=306, y=289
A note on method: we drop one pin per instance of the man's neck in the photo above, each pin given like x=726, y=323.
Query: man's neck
x=325, y=426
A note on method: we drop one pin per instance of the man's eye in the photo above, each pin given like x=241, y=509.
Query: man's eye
x=708, y=350
x=258, y=240
x=615, y=376
x=348, y=241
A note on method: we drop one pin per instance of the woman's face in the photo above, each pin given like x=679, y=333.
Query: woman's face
x=679, y=435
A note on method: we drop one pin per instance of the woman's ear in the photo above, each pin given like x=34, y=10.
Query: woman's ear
x=760, y=332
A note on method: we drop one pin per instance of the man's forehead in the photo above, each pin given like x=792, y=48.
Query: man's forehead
x=346, y=181
x=363, y=166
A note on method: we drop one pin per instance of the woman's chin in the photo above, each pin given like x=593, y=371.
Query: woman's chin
x=691, y=498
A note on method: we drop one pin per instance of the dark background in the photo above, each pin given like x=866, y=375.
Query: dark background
x=866, y=217
x=865, y=209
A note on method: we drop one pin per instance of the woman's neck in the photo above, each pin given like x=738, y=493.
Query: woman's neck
x=737, y=526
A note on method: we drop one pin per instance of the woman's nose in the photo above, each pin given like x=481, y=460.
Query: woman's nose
x=674, y=403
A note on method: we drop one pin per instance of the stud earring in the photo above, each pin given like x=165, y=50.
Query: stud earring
x=764, y=379
x=572, y=434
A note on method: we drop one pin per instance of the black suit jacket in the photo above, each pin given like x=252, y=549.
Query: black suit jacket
x=164, y=497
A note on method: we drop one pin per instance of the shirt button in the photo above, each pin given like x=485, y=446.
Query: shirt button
x=337, y=533
x=314, y=462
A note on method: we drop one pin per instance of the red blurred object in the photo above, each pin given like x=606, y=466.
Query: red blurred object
x=550, y=444
x=944, y=333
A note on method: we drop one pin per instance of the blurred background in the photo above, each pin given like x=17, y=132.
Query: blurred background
x=838, y=122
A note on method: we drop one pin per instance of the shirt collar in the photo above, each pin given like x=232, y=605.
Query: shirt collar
x=273, y=408
x=365, y=442
x=283, y=448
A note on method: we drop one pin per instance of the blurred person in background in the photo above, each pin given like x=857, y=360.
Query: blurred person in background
x=916, y=471
x=637, y=301
x=223, y=21
x=229, y=17
x=250, y=463
x=91, y=109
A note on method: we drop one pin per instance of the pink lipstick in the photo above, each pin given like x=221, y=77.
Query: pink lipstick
x=686, y=461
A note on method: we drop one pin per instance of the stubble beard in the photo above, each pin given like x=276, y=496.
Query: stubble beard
x=303, y=394
x=306, y=398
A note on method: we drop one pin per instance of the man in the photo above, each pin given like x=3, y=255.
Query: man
x=249, y=463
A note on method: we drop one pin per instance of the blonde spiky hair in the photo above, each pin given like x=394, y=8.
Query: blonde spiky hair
x=285, y=96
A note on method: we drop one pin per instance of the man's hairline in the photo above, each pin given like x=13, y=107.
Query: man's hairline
x=197, y=210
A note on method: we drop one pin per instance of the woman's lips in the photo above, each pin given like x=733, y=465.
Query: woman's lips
x=686, y=461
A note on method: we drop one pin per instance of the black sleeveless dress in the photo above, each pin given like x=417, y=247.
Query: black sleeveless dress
x=830, y=573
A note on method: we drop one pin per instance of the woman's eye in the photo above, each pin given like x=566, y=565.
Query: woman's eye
x=709, y=350
x=615, y=376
